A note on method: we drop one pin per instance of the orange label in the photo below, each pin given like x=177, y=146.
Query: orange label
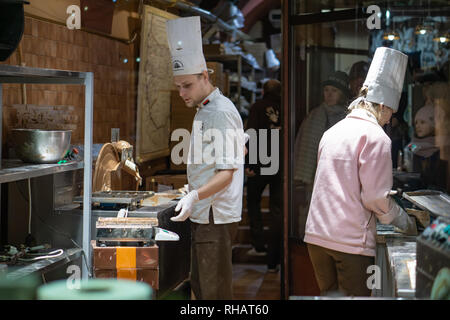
x=126, y=262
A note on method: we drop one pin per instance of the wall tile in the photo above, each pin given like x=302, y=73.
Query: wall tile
x=70, y=35
x=53, y=46
x=44, y=30
x=26, y=44
x=36, y=47
x=27, y=26
x=34, y=28
x=48, y=45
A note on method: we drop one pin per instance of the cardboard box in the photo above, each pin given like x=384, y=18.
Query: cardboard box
x=126, y=257
x=149, y=276
x=133, y=263
x=213, y=49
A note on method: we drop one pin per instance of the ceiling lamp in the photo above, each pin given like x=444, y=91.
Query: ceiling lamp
x=442, y=38
x=423, y=29
x=443, y=35
x=427, y=25
x=391, y=36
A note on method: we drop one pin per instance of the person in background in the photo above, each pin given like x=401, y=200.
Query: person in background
x=265, y=114
x=332, y=110
x=357, y=75
x=423, y=151
x=214, y=200
x=353, y=182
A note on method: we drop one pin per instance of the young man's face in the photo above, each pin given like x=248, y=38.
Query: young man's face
x=191, y=88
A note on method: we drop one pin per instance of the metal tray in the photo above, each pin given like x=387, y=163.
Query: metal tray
x=435, y=202
x=115, y=197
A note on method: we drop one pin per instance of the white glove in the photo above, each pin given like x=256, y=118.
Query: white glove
x=185, y=204
x=405, y=223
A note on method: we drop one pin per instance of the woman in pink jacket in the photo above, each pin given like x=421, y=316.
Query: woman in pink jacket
x=353, y=181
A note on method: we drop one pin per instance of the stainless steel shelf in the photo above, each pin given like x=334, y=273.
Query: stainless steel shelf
x=19, y=74
x=239, y=64
x=44, y=265
x=14, y=170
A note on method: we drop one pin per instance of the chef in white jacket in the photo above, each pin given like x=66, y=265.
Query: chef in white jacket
x=214, y=201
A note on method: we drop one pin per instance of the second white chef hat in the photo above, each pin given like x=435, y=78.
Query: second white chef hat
x=385, y=77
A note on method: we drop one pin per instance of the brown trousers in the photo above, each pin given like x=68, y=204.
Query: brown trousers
x=339, y=273
x=211, y=260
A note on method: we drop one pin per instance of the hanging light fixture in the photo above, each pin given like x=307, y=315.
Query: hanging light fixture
x=423, y=29
x=442, y=38
x=390, y=34
x=427, y=25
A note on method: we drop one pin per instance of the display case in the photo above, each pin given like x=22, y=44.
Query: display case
x=15, y=170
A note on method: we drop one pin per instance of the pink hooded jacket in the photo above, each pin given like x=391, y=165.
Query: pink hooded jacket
x=351, y=186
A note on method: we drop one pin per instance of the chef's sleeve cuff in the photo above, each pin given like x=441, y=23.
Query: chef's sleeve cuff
x=226, y=166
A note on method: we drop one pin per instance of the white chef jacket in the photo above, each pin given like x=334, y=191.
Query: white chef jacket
x=217, y=116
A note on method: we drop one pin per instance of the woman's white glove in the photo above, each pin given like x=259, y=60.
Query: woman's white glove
x=405, y=223
x=185, y=204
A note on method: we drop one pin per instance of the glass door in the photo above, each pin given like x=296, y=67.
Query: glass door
x=329, y=46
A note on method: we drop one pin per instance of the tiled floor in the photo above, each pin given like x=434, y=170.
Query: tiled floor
x=253, y=282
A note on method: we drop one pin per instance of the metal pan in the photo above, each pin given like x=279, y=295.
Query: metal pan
x=435, y=202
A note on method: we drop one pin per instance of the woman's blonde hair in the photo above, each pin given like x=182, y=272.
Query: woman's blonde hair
x=372, y=107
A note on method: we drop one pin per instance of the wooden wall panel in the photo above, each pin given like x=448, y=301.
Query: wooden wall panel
x=54, y=46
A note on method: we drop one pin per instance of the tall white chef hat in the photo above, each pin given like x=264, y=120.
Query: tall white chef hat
x=385, y=77
x=185, y=43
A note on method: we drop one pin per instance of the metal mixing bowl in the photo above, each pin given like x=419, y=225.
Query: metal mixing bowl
x=41, y=146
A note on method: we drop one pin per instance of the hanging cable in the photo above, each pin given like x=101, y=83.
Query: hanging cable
x=57, y=232
x=53, y=254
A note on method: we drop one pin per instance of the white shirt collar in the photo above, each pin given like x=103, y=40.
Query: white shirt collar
x=214, y=94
